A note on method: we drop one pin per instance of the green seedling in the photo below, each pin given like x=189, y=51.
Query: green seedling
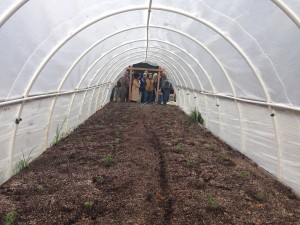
x=10, y=218
x=81, y=143
x=117, y=140
x=224, y=156
x=59, y=134
x=72, y=154
x=108, y=159
x=212, y=202
x=88, y=138
x=196, y=115
x=260, y=196
x=245, y=173
x=170, y=132
x=110, y=146
x=190, y=161
x=88, y=204
x=200, y=182
x=200, y=141
x=179, y=146
x=24, y=162
x=64, y=167
x=190, y=129
x=98, y=180
x=40, y=188
x=213, y=146
x=121, y=128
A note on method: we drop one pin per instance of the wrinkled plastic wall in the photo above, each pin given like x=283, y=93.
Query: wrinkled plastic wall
x=235, y=61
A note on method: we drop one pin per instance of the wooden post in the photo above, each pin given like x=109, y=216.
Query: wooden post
x=143, y=69
x=130, y=85
x=157, y=87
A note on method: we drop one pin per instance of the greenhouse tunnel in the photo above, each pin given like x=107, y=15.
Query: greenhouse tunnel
x=237, y=62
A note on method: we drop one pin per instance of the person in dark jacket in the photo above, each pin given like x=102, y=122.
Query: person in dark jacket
x=124, y=81
x=165, y=89
x=149, y=89
x=143, y=87
x=155, y=86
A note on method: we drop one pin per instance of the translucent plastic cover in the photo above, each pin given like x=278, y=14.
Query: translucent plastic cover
x=235, y=61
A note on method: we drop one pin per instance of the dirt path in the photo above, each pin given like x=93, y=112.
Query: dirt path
x=145, y=164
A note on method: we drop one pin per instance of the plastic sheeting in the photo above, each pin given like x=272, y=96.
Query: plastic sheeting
x=235, y=61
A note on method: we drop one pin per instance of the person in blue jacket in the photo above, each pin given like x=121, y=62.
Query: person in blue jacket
x=143, y=87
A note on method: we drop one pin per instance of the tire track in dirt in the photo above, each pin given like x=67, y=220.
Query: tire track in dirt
x=164, y=184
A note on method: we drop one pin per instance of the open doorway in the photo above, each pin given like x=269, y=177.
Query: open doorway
x=153, y=85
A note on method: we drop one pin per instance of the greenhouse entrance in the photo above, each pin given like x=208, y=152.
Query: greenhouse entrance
x=150, y=69
x=129, y=164
x=143, y=70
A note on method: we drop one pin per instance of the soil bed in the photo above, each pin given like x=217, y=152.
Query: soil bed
x=145, y=164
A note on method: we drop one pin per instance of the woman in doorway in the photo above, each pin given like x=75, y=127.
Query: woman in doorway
x=135, y=88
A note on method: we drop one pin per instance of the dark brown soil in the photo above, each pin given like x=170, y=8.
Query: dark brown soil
x=165, y=169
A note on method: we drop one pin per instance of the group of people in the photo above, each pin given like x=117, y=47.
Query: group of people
x=143, y=88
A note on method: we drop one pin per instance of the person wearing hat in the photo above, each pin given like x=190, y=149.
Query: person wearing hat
x=135, y=91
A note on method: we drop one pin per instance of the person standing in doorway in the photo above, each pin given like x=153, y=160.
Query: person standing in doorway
x=155, y=86
x=165, y=88
x=117, y=96
x=142, y=87
x=124, y=81
x=135, y=88
x=149, y=89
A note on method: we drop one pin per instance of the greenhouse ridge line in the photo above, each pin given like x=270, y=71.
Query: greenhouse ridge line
x=148, y=21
